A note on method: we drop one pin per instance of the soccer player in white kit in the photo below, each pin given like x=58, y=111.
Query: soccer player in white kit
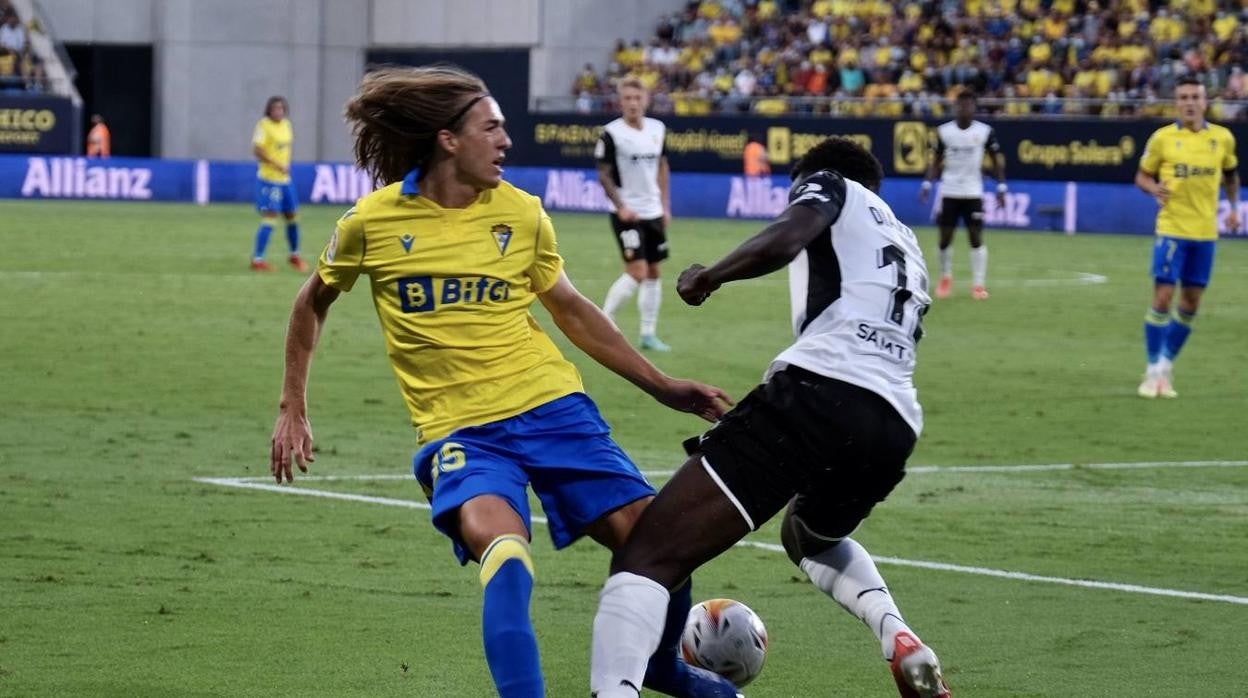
x=958, y=161
x=827, y=434
x=633, y=170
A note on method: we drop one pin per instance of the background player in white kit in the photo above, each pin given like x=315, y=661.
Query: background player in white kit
x=828, y=432
x=633, y=170
x=958, y=161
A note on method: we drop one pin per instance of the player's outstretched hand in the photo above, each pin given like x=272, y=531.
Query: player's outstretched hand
x=694, y=286
x=292, y=443
x=706, y=401
x=1232, y=220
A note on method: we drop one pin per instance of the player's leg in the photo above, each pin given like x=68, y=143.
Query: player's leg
x=268, y=203
x=290, y=210
x=873, y=443
x=628, y=238
x=588, y=485
x=946, y=222
x=1194, y=277
x=1167, y=260
x=480, y=502
x=748, y=468
x=654, y=246
x=979, y=252
x=690, y=522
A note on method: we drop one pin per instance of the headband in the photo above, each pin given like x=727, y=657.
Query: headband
x=460, y=114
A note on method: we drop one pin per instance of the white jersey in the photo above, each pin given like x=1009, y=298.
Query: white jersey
x=859, y=293
x=963, y=151
x=634, y=156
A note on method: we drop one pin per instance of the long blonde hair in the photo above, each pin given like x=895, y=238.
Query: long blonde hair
x=397, y=113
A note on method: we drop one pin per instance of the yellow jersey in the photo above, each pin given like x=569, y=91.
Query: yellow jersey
x=274, y=138
x=452, y=288
x=1190, y=163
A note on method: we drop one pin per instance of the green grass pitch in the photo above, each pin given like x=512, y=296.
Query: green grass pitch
x=137, y=352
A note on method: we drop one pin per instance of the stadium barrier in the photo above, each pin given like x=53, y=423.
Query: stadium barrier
x=1087, y=207
x=1100, y=150
x=39, y=124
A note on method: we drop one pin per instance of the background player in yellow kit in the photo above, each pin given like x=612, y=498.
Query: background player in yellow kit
x=271, y=144
x=1182, y=166
x=455, y=257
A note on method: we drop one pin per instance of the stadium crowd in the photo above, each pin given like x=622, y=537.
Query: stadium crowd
x=872, y=57
x=20, y=68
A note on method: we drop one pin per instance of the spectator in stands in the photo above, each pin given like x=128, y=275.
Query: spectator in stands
x=99, y=139
x=13, y=34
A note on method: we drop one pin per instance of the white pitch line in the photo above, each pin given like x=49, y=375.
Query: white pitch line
x=1024, y=576
x=912, y=470
x=247, y=483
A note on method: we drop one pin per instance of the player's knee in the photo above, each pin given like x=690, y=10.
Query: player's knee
x=502, y=550
x=799, y=540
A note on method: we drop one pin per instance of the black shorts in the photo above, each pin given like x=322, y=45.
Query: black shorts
x=953, y=210
x=640, y=240
x=840, y=449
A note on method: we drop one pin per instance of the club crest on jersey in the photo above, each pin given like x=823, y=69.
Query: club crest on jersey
x=407, y=241
x=502, y=235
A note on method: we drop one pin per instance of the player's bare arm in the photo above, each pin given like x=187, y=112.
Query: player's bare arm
x=771, y=249
x=998, y=172
x=933, y=173
x=665, y=190
x=593, y=333
x=1151, y=185
x=622, y=210
x=292, y=434
x=1230, y=181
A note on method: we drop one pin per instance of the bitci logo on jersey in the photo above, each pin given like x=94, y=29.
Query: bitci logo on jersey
x=422, y=294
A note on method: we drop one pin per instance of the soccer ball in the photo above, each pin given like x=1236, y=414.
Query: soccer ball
x=726, y=637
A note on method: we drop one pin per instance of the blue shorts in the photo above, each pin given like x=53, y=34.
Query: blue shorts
x=563, y=448
x=1187, y=261
x=276, y=198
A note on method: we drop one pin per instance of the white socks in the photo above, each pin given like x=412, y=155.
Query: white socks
x=623, y=289
x=946, y=261
x=648, y=302
x=979, y=265
x=847, y=573
x=631, y=613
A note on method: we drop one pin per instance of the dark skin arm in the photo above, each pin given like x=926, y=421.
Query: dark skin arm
x=933, y=172
x=1230, y=181
x=771, y=249
x=998, y=171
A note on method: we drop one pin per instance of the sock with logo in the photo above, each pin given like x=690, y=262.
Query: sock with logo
x=292, y=236
x=847, y=573
x=648, y=302
x=979, y=265
x=507, y=631
x=1176, y=334
x=627, y=630
x=622, y=290
x=262, y=239
x=1156, y=327
x=946, y=262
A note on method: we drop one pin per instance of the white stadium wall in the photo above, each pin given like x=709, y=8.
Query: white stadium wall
x=216, y=62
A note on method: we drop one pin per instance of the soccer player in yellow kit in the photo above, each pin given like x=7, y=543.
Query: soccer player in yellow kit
x=271, y=144
x=1182, y=166
x=455, y=257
